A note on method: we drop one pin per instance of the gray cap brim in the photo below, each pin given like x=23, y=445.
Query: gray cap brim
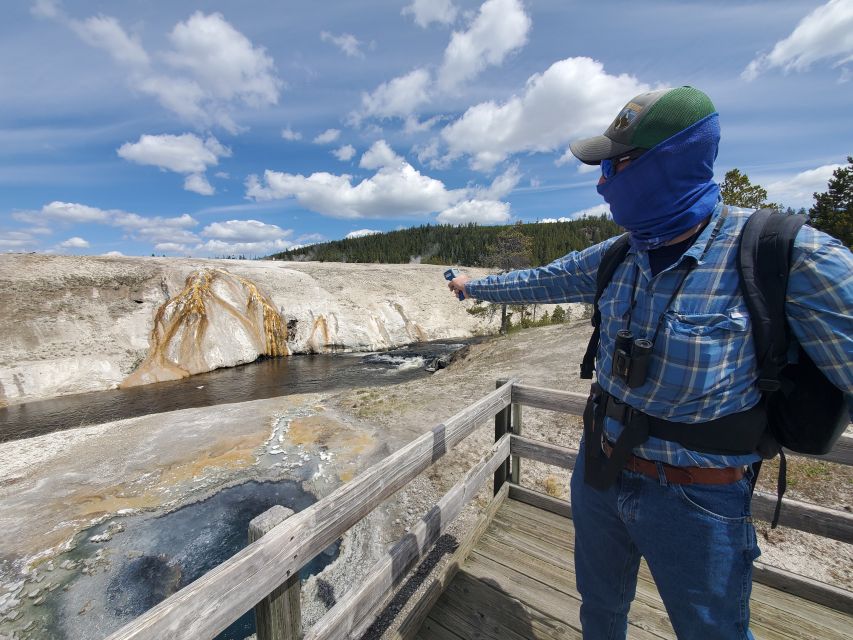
x=594, y=150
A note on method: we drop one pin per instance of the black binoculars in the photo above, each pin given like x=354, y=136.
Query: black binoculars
x=631, y=358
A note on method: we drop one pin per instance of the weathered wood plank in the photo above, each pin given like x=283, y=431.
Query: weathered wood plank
x=433, y=630
x=552, y=399
x=414, y=618
x=515, y=423
x=208, y=605
x=811, y=518
x=279, y=615
x=545, y=598
x=486, y=611
x=804, y=587
x=540, y=500
x=351, y=616
x=545, y=452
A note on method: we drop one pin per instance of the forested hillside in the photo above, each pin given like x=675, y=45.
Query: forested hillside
x=468, y=245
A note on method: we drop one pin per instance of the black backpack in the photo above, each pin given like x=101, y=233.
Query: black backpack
x=806, y=413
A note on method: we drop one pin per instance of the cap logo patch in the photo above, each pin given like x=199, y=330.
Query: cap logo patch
x=626, y=116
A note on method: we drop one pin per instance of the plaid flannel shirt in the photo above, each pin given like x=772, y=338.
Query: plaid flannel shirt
x=703, y=362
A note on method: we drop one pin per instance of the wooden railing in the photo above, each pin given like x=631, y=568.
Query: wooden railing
x=265, y=573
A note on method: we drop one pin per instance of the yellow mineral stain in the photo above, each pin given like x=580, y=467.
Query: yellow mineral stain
x=180, y=326
x=347, y=443
x=322, y=326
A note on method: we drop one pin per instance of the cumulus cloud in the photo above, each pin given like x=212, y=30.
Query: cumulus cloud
x=245, y=231
x=74, y=243
x=344, y=153
x=425, y=12
x=391, y=192
x=346, y=42
x=209, y=71
x=155, y=228
x=589, y=212
x=251, y=249
x=379, y=155
x=500, y=28
x=328, y=136
x=398, y=97
x=824, y=34
x=798, y=190
x=17, y=241
x=479, y=211
x=198, y=183
x=186, y=154
x=45, y=9
x=503, y=185
x=290, y=135
x=360, y=233
x=113, y=254
x=574, y=97
x=104, y=32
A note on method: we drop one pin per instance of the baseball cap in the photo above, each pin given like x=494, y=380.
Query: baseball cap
x=647, y=120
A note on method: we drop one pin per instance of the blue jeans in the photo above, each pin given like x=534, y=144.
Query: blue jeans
x=698, y=541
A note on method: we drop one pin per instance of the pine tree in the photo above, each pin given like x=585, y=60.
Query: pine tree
x=738, y=191
x=832, y=211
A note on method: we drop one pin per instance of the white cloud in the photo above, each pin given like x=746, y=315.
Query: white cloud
x=479, y=211
x=113, y=254
x=391, y=192
x=16, y=241
x=289, y=134
x=153, y=229
x=413, y=125
x=251, y=249
x=590, y=212
x=826, y=33
x=245, y=231
x=500, y=28
x=344, y=153
x=503, y=185
x=398, y=97
x=45, y=9
x=104, y=32
x=798, y=190
x=209, y=72
x=74, y=243
x=186, y=154
x=171, y=247
x=379, y=155
x=328, y=136
x=425, y=12
x=361, y=233
x=198, y=183
x=346, y=42
x=572, y=98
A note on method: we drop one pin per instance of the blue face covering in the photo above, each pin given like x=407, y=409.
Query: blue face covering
x=669, y=189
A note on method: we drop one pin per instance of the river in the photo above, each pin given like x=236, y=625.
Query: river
x=264, y=378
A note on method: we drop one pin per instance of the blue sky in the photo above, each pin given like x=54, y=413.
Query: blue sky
x=247, y=127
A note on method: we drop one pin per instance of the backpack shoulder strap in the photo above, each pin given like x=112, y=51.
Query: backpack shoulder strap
x=763, y=261
x=612, y=258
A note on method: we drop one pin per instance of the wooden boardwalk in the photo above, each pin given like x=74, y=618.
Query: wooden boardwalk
x=518, y=583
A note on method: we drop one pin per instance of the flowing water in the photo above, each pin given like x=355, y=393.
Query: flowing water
x=265, y=378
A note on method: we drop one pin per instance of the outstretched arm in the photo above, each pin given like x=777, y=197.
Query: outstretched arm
x=567, y=279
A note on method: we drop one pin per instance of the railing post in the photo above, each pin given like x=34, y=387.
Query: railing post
x=502, y=427
x=279, y=615
x=515, y=429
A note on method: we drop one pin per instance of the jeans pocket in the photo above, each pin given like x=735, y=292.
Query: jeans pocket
x=728, y=503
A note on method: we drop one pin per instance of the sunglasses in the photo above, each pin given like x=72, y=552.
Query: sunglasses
x=608, y=165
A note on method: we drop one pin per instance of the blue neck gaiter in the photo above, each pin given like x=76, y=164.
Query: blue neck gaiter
x=669, y=189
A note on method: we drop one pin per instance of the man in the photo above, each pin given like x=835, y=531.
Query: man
x=685, y=511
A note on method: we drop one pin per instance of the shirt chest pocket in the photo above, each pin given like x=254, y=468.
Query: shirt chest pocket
x=703, y=351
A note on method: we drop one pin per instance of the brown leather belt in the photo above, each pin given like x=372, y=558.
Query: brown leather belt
x=679, y=475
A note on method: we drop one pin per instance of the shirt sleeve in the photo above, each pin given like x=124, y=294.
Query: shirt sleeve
x=819, y=304
x=567, y=279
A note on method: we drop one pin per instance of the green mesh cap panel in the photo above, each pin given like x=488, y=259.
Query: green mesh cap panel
x=675, y=111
